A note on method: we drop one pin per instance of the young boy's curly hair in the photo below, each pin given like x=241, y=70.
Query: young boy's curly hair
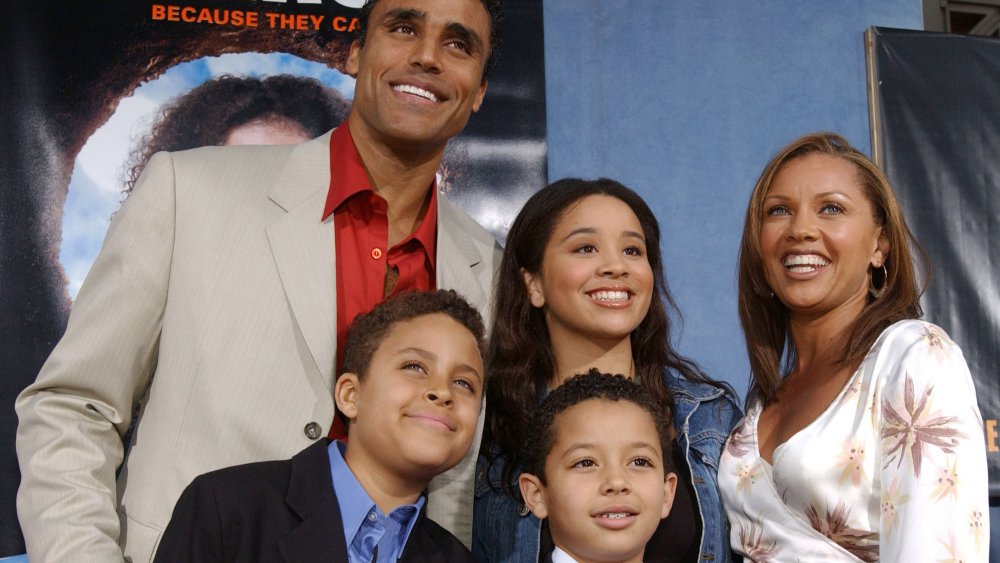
x=368, y=330
x=591, y=385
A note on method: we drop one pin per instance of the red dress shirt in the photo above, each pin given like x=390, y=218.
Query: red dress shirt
x=361, y=227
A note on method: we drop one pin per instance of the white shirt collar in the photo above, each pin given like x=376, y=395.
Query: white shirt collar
x=560, y=556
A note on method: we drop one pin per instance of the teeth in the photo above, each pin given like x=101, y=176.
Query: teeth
x=615, y=515
x=416, y=91
x=609, y=295
x=801, y=263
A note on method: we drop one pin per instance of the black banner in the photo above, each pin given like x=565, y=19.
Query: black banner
x=936, y=133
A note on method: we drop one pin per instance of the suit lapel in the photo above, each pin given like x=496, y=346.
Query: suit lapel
x=458, y=261
x=303, y=249
x=320, y=536
x=419, y=547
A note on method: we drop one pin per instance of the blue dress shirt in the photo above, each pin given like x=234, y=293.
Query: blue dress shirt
x=371, y=536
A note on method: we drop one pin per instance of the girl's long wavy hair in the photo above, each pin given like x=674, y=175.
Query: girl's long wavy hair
x=765, y=319
x=520, y=361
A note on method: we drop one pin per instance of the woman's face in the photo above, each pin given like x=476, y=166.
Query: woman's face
x=595, y=280
x=819, y=236
x=273, y=131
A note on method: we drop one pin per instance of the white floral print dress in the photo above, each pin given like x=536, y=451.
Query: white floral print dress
x=893, y=470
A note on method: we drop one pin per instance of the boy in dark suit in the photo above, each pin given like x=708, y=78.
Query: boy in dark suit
x=598, y=469
x=411, y=387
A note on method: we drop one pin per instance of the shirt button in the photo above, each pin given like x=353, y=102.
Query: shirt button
x=313, y=430
x=371, y=516
x=523, y=510
x=376, y=253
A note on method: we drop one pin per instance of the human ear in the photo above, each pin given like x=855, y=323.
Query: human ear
x=533, y=493
x=351, y=66
x=669, y=488
x=881, y=249
x=534, y=287
x=479, y=97
x=346, y=393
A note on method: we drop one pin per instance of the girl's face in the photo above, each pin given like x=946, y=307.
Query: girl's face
x=819, y=237
x=595, y=280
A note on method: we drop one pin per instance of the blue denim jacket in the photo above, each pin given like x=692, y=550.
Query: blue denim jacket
x=504, y=530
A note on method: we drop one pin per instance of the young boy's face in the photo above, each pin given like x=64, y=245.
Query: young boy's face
x=415, y=412
x=606, y=490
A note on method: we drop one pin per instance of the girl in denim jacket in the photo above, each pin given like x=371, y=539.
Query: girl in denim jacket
x=581, y=286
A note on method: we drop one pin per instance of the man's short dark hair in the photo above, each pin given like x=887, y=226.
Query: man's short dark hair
x=494, y=9
x=584, y=387
x=369, y=329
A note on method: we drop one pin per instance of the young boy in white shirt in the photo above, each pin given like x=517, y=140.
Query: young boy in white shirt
x=598, y=468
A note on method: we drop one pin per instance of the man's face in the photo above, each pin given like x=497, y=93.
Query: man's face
x=416, y=409
x=419, y=73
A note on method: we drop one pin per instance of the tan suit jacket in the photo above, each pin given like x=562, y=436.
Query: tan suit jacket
x=212, y=304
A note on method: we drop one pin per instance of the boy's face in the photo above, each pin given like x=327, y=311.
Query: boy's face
x=415, y=412
x=606, y=489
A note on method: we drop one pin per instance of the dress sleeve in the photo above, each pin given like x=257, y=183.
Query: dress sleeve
x=933, y=457
x=72, y=418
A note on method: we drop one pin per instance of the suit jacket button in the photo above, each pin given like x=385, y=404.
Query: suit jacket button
x=313, y=430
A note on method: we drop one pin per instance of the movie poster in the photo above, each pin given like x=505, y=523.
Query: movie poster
x=90, y=88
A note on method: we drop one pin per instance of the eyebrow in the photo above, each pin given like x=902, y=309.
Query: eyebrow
x=456, y=29
x=593, y=231
x=817, y=196
x=463, y=32
x=403, y=14
x=637, y=445
x=428, y=355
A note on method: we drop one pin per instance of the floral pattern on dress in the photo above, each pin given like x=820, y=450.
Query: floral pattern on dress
x=850, y=394
x=947, y=481
x=739, y=443
x=863, y=544
x=916, y=427
x=977, y=527
x=756, y=547
x=937, y=343
x=852, y=462
x=952, y=549
x=748, y=475
x=893, y=498
x=897, y=462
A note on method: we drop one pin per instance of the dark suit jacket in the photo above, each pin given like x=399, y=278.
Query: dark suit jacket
x=279, y=511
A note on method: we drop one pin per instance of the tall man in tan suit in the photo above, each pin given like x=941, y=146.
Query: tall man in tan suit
x=216, y=301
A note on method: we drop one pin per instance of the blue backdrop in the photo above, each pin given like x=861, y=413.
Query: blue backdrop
x=685, y=101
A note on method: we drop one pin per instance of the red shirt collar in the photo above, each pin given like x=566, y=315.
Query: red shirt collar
x=349, y=177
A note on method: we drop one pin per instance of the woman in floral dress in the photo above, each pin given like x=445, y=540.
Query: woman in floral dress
x=862, y=440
